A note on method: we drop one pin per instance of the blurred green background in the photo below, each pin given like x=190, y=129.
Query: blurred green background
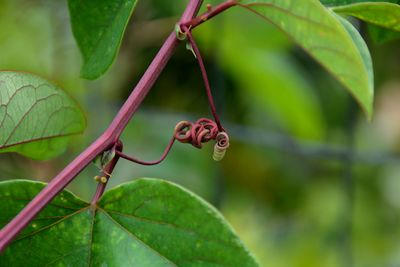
x=307, y=180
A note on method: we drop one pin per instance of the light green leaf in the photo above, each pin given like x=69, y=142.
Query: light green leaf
x=319, y=32
x=147, y=222
x=36, y=117
x=98, y=27
x=385, y=15
x=348, y=2
x=378, y=34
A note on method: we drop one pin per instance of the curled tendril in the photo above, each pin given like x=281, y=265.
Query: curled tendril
x=202, y=131
x=196, y=134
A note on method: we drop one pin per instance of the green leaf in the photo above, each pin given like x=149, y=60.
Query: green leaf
x=362, y=47
x=98, y=27
x=36, y=117
x=385, y=15
x=375, y=12
x=319, y=32
x=147, y=222
x=347, y=2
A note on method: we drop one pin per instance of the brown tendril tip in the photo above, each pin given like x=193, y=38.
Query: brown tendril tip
x=221, y=146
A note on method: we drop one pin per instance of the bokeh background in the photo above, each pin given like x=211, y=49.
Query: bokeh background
x=307, y=180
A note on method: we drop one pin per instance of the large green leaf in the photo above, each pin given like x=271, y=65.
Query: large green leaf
x=319, y=32
x=385, y=15
x=98, y=27
x=147, y=222
x=36, y=117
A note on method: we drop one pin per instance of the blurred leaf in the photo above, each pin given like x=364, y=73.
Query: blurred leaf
x=98, y=27
x=382, y=14
x=316, y=30
x=147, y=222
x=36, y=117
x=347, y=2
x=384, y=18
x=25, y=38
x=380, y=35
x=272, y=84
x=268, y=80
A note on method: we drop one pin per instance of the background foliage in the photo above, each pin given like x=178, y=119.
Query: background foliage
x=306, y=182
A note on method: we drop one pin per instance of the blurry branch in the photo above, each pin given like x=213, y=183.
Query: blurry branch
x=346, y=221
x=309, y=149
x=283, y=142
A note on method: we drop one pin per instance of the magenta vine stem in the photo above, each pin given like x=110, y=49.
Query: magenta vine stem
x=106, y=140
x=113, y=132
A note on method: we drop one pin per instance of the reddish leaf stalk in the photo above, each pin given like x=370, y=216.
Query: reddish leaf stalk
x=149, y=163
x=205, y=77
x=106, y=172
x=212, y=12
x=109, y=138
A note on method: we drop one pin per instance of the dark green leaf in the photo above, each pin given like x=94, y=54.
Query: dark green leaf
x=98, y=27
x=36, y=117
x=380, y=35
x=320, y=33
x=147, y=222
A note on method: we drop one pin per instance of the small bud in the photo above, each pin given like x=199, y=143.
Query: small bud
x=190, y=48
x=103, y=179
x=97, y=178
x=180, y=35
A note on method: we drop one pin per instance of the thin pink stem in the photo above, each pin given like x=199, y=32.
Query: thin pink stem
x=105, y=141
x=149, y=163
x=214, y=11
x=205, y=77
